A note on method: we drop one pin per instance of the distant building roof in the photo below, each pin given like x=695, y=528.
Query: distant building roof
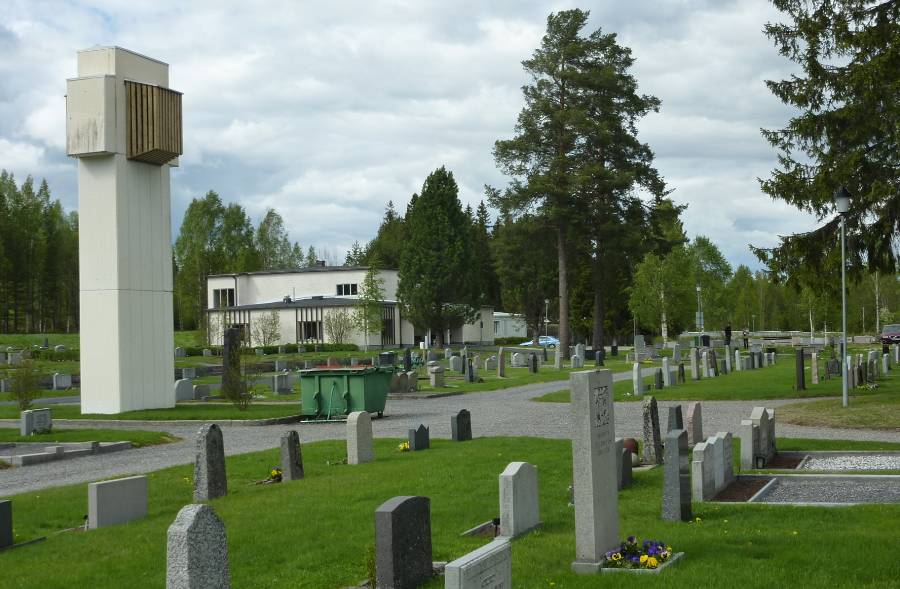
x=299, y=271
x=298, y=304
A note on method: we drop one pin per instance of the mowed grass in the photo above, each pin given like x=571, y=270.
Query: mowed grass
x=138, y=438
x=198, y=411
x=772, y=382
x=876, y=411
x=315, y=532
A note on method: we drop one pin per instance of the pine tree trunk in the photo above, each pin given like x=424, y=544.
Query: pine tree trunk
x=563, y=347
x=596, y=270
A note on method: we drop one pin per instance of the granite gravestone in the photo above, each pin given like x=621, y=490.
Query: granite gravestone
x=456, y=363
x=519, y=499
x=682, y=377
x=814, y=368
x=666, y=372
x=189, y=372
x=501, y=363
x=675, y=418
x=359, y=438
x=197, y=550
x=488, y=567
x=35, y=421
x=626, y=466
x=6, y=525
x=436, y=376
x=676, y=478
x=419, y=438
x=594, y=469
x=702, y=476
x=291, y=456
x=800, y=381
x=117, y=501
x=694, y=423
x=403, y=543
x=184, y=390
x=652, y=442
x=637, y=380
x=210, y=481
x=62, y=381
x=695, y=364
x=727, y=457
x=461, y=426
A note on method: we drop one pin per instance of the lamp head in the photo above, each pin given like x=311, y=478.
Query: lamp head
x=842, y=200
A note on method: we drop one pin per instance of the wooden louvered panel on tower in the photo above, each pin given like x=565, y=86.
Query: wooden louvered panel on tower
x=153, y=123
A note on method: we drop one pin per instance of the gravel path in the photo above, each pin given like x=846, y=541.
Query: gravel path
x=833, y=490
x=499, y=413
x=870, y=462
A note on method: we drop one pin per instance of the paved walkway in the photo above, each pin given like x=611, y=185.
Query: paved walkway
x=507, y=412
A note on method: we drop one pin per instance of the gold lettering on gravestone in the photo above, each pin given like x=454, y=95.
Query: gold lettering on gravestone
x=600, y=402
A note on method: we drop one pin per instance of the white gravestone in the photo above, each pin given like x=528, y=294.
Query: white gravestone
x=117, y=502
x=594, y=469
x=184, y=390
x=637, y=381
x=519, y=499
x=35, y=421
x=61, y=381
x=359, y=438
x=749, y=444
x=488, y=567
x=702, y=477
x=727, y=456
x=667, y=374
x=718, y=456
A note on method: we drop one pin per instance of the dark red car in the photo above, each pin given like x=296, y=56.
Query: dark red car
x=890, y=334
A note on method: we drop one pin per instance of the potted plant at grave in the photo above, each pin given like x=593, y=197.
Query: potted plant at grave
x=650, y=554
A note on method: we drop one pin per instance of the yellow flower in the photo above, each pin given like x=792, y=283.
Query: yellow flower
x=652, y=563
x=643, y=558
x=617, y=556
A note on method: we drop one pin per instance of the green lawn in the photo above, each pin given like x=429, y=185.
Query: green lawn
x=316, y=532
x=199, y=410
x=875, y=411
x=137, y=438
x=773, y=382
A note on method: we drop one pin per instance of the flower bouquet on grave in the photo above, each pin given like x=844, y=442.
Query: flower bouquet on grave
x=647, y=555
x=275, y=476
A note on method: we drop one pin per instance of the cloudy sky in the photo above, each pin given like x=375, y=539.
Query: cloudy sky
x=327, y=110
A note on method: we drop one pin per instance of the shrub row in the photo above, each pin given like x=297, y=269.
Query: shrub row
x=50, y=354
x=510, y=341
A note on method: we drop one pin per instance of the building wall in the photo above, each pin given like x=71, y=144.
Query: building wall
x=510, y=325
x=267, y=288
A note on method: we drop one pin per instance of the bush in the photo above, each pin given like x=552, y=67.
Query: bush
x=26, y=384
x=294, y=348
x=510, y=341
x=50, y=354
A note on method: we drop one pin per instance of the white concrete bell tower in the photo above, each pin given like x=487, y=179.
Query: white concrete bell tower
x=123, y=123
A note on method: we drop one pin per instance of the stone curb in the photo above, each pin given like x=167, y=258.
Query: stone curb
x=108, y=422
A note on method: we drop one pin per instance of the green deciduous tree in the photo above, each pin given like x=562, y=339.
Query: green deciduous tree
x=273, y=245
x=434, y=287
x=847, y=132
x=369, y=307
x=662, y=293
x=338, y=323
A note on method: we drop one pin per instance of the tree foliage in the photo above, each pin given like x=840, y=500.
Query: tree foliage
x=276, y=252
x=847, y=133
x=663, y=291
x=369, y=303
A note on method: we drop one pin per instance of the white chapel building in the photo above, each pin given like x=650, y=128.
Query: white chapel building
x=303, y=297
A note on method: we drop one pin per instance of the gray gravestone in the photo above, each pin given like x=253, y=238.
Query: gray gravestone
x=704, y=365
x=359, y=438
x=800, y=372
x=519, y=499
x=682, y=378
x=197, y=550
x=727, y=457
x=652, y=442
x=436, y=376
x=59, y=348
x=533, y=363
x=666, y=373
x=637, y=380
x=207, y=352
x=403, y=543
x=490, y=363
x=676, y=478
x=676, y=352
x=180, y=352
x=419, y=438
x=577, y=361
x=598, y=358
x=62, y=381
x=6, y=525
x=594, y=468
x=291, y=456
x=209, y=464
x=470, y=370
x=749, y=444
x=461, y=426
x=501, y=363
x=557, y=359
x=282, y=365
x=184, y=390
x=718, y=456
x=117, y=502
x=35, y=421
x=702, y=477
x=200, y=391
x=456, y=363
x=676, y=420
x=281, y=384
x=814, y=368
x=694, y=423
x=412, y=381
x=695, y=364
x=488, y=567
x=189, y=373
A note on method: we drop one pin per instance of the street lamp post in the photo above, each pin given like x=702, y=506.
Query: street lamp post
x=546, y=316
x=842, y=204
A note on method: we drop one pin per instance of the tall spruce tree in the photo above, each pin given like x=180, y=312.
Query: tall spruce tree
x=275, y=249
x=387, y=246
x=847, y=133
x=436, y=259
x=575, y=140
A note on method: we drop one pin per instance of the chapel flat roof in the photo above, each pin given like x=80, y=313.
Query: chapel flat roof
x=299, y=304
x=306, y=270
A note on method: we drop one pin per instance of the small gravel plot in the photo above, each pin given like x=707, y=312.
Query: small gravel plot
x=833, y=490
x=868, y=462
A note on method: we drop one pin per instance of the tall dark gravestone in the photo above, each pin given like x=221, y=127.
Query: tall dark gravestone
x=231, y=363
x=403, y=543
x=461, y=426
x=801, y=372
x=676, y=478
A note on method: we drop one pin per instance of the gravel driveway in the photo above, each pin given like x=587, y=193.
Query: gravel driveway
x=507, y=412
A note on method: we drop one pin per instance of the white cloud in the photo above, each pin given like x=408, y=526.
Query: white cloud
x=326, y=111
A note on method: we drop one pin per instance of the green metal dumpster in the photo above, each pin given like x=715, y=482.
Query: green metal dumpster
x=333, y=393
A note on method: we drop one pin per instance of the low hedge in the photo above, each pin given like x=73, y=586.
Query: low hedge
x=50, y=354
x=510, y=341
